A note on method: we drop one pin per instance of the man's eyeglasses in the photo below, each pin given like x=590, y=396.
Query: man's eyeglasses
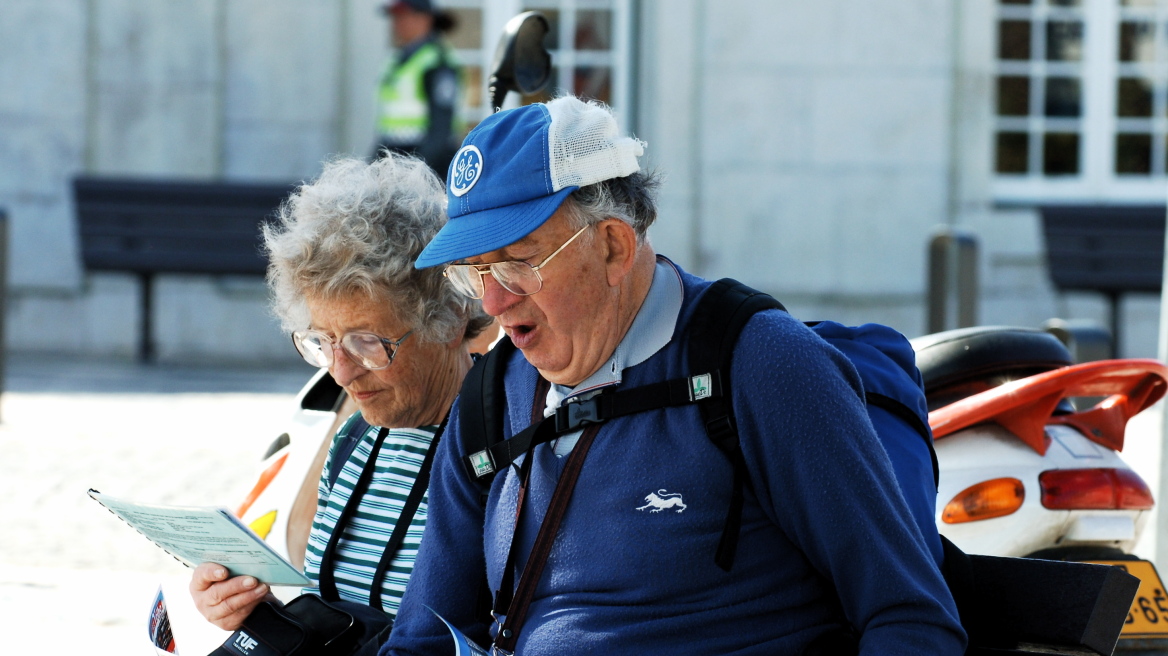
x=516, y=276
x=366, y=349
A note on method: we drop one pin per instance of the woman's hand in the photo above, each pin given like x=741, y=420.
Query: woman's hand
x=225, y=602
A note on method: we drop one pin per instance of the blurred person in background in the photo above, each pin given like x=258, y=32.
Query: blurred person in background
x=396, y=339
x=422, y=86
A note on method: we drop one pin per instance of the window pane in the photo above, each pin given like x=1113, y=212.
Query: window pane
x=468, y=28
x=1066, y=3
x=1013, y=152
x=1060, y=153
x=1013, y=96
x=1063, y=96
x=1064, y=41
x=552, y=40
x=1134, y=97
x=1014, y=39
x=594, y=82
x=1015, y=2
x=594, y=30
x=1137, y=42
x=1133, y=153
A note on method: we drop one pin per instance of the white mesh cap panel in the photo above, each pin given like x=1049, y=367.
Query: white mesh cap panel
x=586, y=145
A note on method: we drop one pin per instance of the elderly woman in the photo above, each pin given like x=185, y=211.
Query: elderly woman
x=394, y=337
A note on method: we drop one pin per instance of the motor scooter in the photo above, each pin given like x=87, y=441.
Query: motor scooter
x=1028, y=444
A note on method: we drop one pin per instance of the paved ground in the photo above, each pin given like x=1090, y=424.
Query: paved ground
x=184, y=435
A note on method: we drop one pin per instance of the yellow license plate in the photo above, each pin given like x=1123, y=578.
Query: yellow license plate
x=1148, y=617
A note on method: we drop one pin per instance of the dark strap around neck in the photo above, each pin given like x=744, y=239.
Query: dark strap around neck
x=328, y=587
x=517, y=605
x=328, y=584
x=409, y=509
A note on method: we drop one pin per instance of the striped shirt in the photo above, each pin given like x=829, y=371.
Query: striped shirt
x=368, y=531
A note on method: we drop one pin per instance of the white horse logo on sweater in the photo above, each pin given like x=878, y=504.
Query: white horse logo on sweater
x=660, y=500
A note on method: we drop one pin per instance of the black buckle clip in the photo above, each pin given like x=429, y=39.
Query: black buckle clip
x=574, y=415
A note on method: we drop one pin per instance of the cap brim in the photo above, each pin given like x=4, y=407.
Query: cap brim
x=482, y=232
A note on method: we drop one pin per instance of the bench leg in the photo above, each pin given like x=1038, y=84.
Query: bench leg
x=146, y=317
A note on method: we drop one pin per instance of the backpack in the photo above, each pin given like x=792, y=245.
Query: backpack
x=882, y=356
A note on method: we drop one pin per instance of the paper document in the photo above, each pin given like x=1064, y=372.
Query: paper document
x=195, y=535
x=462, y=644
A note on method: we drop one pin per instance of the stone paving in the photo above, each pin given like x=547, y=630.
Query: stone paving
x=180, y=435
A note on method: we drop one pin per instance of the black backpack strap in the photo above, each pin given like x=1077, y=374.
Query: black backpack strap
x=480, y=405
x=356, y=430
x=719, y=317
x=892, y=406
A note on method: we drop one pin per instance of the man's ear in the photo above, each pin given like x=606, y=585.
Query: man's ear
x=621, y=248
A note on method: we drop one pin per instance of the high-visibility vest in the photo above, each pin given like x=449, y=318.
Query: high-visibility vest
x=404, y=106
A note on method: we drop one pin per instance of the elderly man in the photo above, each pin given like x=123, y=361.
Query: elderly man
x=548, y=219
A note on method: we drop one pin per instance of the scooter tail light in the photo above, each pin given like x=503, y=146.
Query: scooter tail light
x=1104, y=488
x=995, y=498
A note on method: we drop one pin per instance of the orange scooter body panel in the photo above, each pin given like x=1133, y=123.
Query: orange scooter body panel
x=1024, y=407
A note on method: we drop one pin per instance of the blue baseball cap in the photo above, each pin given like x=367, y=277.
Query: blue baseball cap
x=515, y=169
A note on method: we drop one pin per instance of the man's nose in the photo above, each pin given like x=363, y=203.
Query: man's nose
x=496, y=299
x=343, y=369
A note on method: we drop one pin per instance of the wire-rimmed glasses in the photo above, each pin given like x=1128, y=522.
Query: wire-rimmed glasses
x=516, y=276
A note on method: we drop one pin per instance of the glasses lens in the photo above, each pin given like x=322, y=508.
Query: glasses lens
x=465, y=279
x=517, y=277
x=367, y=349
x=314, y=347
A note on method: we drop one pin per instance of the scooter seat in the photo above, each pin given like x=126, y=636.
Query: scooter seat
x=956, y=363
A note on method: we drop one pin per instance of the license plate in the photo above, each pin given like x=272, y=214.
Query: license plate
x=1148, y=617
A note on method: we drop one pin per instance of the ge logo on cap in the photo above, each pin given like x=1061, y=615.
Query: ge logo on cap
x=468, y=167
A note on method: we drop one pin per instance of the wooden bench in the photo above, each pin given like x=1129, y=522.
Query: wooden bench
x=1111, y=249
x=147, y=227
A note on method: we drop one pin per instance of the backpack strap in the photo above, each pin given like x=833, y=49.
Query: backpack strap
x=892, y=406
x=354, y=430
x=718, y=319
x=480, y=406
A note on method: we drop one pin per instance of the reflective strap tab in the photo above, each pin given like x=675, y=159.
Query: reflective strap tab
x=481, y=463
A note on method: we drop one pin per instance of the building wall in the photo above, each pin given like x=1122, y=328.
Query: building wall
x=808, y=148
x=812, y=149
x=816, y=149
x=202, y=89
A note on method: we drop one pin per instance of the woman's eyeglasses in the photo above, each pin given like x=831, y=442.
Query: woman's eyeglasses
x=366, y=349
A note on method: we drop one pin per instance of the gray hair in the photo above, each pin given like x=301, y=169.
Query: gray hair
x=358, y=228
x=632, y=199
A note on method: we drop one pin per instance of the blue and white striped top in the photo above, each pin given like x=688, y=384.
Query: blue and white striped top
x=367, y=533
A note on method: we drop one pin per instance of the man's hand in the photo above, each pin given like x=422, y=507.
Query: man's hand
x=225, y=602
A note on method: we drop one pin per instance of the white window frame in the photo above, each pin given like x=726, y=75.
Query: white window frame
x=1096, y=181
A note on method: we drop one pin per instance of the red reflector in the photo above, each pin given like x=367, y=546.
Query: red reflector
x=1094, y=489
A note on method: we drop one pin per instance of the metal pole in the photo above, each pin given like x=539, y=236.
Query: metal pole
x=967, y=284
x=939, y=252
x=3, y=295
x=952, y=268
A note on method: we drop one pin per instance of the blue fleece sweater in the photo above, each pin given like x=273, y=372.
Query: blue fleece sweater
x=827, y=540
